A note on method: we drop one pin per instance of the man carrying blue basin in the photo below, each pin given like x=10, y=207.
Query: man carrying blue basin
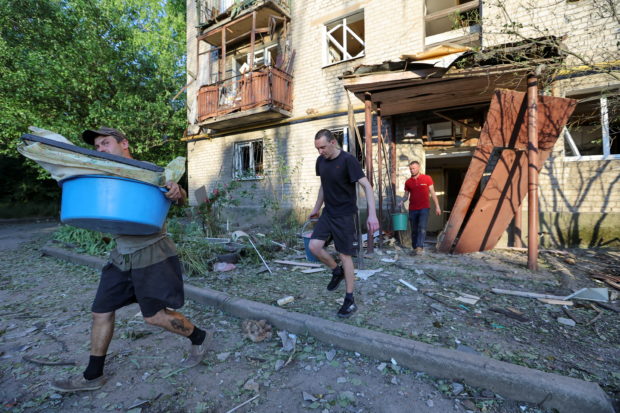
x=143, y=269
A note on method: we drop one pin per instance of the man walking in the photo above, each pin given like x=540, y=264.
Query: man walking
x=143, y=269
x=339, y=171
x=417, y=189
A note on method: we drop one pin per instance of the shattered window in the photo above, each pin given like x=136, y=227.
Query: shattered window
x=594, y=126
x=248, y=163
x=348, y=142
x=344, y=38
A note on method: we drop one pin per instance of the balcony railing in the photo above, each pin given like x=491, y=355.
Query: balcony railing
x=265, y=86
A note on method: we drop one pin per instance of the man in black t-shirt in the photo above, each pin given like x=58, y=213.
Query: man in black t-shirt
x=339, y=171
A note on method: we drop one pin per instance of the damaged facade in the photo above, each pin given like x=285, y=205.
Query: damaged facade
x=265, y=75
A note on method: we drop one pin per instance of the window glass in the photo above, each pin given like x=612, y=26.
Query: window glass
x=594, y=126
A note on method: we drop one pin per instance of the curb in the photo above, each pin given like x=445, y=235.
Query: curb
x=73, y=257
x=547, y=390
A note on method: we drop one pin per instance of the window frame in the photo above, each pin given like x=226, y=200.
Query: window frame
x=237, y=167
x=342, y=47
x=605, y=134
x=347, y=136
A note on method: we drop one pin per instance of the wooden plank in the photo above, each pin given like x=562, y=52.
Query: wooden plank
x=300, y=263
x=526, y=294
x=313, y=270
x=555, y=302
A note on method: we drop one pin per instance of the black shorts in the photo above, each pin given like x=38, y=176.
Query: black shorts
x=341, y=229
x=154, y=287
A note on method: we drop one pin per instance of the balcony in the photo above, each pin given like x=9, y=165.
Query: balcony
x=211, y=13
x=258, y=96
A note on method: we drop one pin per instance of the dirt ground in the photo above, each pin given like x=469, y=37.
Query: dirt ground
x=44, y=309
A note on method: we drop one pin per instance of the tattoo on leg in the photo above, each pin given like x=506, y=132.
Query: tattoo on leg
x=179, y=325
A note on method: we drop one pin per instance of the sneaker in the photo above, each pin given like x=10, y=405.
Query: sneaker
x=78, y=384
x=196, y=355
x=337, y=276
x=419, y=251
x=347, y=309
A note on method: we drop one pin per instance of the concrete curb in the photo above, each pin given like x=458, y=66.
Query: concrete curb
x=80, y=259
x=548, y=390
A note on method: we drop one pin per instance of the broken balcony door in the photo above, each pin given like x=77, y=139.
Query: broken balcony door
x=499, y=167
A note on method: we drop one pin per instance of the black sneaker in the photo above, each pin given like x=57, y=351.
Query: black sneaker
x=337, y=276
x=347, y=309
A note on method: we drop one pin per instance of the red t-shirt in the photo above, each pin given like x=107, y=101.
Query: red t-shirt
x=418, y=191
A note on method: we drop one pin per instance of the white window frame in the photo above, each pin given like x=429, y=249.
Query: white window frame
x=327, y=38
x=605, y=137
x=238, y=171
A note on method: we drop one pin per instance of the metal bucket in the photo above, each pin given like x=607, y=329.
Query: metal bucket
x=113, y=204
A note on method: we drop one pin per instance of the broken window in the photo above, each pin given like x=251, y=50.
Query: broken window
x=594, y=126
x=449, y=20
x=344, y=38
x=348, y=141
x=248, y=160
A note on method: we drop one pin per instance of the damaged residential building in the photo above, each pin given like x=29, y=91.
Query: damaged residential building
x=403, y=80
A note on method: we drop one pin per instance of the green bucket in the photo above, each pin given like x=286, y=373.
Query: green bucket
x=399, y=221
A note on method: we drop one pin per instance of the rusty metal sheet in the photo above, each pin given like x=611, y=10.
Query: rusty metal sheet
x=505, y=127
x=500, y=199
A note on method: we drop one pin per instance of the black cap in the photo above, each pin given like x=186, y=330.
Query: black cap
x=89, y=136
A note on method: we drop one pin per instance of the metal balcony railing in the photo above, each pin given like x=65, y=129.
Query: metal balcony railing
x=265, y=86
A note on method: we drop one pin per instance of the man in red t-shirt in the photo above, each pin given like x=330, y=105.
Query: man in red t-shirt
x=417, y=189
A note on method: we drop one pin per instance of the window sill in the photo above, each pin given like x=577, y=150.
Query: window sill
x=592, y=158
x=342, y=61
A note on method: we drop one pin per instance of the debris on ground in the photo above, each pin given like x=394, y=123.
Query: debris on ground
x=285, y=300
x=526, y=332
x=256, y=331
x=223, y=266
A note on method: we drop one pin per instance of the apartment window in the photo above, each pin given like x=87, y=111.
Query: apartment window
x=593, y=129
x=344, y=38
x=248, y=160
x=452, y=21
x=347, y=140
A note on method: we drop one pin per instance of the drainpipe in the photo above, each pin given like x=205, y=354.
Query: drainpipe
x=532, y=172
x=380, y=169
x=393, y=163
x=368, y=134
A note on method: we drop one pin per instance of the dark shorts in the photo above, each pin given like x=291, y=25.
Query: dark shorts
x=153, y=287
x=341, y=229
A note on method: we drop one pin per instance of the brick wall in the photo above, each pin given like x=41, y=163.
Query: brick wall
x=589, y=28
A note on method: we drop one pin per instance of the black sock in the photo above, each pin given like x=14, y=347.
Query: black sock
x=197, y=337
x=348, y=297
x=94, y=368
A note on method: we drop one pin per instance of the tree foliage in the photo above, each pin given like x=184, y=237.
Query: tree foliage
x=68, y=65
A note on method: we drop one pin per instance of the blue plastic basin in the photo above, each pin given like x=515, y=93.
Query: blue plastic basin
x=112, y=204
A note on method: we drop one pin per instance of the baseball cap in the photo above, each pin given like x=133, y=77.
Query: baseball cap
x=89, y=135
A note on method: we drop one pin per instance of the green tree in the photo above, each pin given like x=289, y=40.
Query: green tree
x=66, y=65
